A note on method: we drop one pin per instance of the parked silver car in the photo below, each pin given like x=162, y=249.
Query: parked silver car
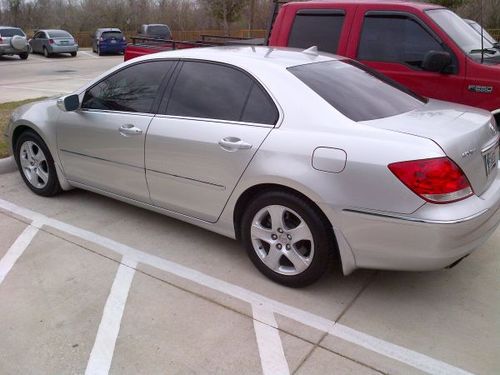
x=302, y=156
x=50, y=42
x=13, y=42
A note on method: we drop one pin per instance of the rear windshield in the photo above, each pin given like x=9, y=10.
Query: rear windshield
x=159, y=31
x=8, y=33
x=356, y=91
x=59, y=34
x=111, y=35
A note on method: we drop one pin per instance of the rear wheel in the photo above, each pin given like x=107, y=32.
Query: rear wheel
x=36, y=164
x=23, y=55
x=46, y=52
x=286, y=239
x=99, y=51
x=73, y=54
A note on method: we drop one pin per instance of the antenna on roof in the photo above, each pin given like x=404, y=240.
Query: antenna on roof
x=482, y=33
x=311, y=51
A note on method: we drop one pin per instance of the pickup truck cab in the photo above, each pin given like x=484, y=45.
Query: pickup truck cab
x=425, y=47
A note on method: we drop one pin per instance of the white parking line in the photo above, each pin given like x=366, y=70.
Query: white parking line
x=272, y=356
x=104, y=346
x=399, y=353
x=88, y=54
x=17, y=249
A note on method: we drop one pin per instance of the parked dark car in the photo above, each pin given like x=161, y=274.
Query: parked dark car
x=50, y=42
x=108, y=40
x=13, y=42
x=155, y=30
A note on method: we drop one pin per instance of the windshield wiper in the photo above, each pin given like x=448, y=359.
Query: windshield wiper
x=489, y=51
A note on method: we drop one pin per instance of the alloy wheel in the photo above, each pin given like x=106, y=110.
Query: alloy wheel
x=34, y=164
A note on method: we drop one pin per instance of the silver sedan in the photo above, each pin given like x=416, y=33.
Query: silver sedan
x=306, y=158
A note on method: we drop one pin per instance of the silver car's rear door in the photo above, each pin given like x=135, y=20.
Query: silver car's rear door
x=215, y=120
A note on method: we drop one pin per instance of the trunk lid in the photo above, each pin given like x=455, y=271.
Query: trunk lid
x=467, y=135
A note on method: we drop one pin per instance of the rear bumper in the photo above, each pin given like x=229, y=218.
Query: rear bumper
x=112, y=48
x=433, y=237
x=62, y=49
x=6, y=49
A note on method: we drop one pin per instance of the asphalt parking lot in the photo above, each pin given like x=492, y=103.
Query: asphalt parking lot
x=92, y=285
x=40, y=76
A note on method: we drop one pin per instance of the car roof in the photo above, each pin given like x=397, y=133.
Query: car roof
x=10, y=27
x=103, y=29
x=412, y=4
x=49, y=30
x=281, y=56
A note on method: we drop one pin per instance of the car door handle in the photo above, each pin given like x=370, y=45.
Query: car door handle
x=129, y=129
x=233, y=144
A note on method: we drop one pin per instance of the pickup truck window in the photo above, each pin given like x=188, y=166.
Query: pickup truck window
x=355, y=91
x=132, y=89
x=317, y=27
x=216, y=91
x=395, y=38
x=461, y=33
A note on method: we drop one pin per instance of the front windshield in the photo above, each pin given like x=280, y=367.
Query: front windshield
x=486, y=34
x=461, y=33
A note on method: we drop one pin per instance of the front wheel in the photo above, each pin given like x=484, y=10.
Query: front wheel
x=36, y=165
x=286, y=238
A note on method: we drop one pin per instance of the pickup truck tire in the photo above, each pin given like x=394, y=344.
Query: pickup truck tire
x=24, y=55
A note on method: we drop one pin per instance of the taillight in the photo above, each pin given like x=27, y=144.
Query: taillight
x=51, y=41
x=101, y=39
x=437, y=180
x=1, y=40
x=124, y=39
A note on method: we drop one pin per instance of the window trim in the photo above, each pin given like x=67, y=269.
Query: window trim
x=427, y=28
x=162, y=109
x=156, y=102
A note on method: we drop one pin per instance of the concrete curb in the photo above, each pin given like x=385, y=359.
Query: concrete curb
x=7, y=165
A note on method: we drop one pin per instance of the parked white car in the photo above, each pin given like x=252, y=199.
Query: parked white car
x=300, y=155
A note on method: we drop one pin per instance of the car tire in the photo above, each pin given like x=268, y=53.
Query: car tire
x=24, y=55
x=295, y=262
x=99, y=51
x=46, y=52
x=36, y=165
x=73, y=54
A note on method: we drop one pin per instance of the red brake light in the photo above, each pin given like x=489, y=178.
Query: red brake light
x=437, y=180
x=124, y=39
x=51, y=41
x=1, y=40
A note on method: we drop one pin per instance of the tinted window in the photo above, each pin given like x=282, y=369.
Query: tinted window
x=112, y=34
x=8, y=33
x=212, y=91
x=354, y=91
x=159, y=30
x=132, y=89
x=260, y=108
x=317, y=28
x=59, y=34
x=395, y=39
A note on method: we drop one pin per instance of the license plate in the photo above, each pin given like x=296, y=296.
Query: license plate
x=64, y=42
x=491, y=160
x=113, y=41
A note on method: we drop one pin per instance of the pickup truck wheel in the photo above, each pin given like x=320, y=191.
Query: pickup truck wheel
x=36, y=165
x=24, y=55
x=286, y=239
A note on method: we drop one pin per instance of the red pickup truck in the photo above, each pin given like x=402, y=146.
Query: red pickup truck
x=425, y=47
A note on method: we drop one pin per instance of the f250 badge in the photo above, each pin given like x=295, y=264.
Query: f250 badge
x=481, y=89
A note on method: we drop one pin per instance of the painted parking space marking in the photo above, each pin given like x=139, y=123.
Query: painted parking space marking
x=104, y=346
x=17, y=249
x=407, y=356
x=272, y=356
x=91, y=54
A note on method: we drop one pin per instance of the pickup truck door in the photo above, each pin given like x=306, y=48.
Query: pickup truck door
x=212, y=121
x=101, y=145
x=395, y=43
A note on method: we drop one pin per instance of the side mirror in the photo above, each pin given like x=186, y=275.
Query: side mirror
x=437, y=61
x=69, y=103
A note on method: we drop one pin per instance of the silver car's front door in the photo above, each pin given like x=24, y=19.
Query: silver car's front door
x=214, y=120
x=102, y=144
x=105, y=150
